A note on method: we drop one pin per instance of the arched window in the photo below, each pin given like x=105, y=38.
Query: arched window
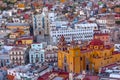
x=65, y=59
x=20, y=58
x=12, y=53
x=13, y=58
x=19, y=53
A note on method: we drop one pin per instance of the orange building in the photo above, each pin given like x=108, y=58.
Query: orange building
x=92, y=57
x=117, y=9
x=62, y=1
x=10, y=77
x=103, y=10
x=105, y=37
x=21, y=6
x=20, y=32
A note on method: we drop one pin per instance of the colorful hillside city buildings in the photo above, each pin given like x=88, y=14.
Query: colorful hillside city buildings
x=59, y=39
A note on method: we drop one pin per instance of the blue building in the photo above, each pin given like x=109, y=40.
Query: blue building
x=4, y=60
x=36, y=53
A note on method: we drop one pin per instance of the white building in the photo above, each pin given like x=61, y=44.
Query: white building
x=7, y=13
x=80, y=32
x=18, y=55
x=16, y=20
x=51, y=55
x=36, y=53
x=102, y=21
x=113, y=71
x=105, y=30
x=21, y=72
x=114, y=75
x=28, y=72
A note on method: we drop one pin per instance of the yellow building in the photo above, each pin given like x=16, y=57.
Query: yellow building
x=24, y=41
x=20, y=32
x=92, y=57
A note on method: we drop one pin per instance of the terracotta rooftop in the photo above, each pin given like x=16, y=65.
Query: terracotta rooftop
x=59, y=74
x=96, y=42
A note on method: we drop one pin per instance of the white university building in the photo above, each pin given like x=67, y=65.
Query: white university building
x=80, y=32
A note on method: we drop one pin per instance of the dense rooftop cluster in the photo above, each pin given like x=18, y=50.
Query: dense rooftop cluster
x=59, y=39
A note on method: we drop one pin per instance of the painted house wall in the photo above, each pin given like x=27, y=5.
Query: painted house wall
x=37, y=53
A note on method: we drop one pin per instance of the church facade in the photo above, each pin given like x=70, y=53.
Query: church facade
x=91, y=57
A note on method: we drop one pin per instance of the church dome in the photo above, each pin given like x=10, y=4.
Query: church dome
x=96, y=42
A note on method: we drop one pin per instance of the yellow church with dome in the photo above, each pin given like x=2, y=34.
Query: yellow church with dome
x=92, y=57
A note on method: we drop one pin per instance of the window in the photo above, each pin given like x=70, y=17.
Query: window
x=19, y=53
x=31, y=60
x=7, y=60
x=95, y=47
x=16, y=53
x=36, y=56
x=105, y=54
x=65, y=59
x=39, y=24
x=41, y=60
x=41, y=55
x=12, y=53
x=106, y=37
x=40, y=33
x=95, y=27
x=31, y=56
x=80, y=58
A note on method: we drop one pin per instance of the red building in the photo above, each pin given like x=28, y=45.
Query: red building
x=117, y=16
